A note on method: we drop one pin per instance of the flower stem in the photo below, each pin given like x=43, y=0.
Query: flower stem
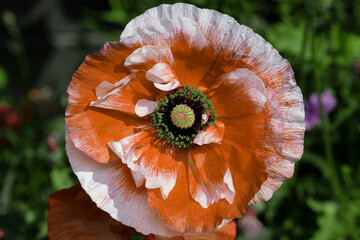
x=325, y=123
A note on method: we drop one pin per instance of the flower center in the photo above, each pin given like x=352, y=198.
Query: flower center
x=181, y=115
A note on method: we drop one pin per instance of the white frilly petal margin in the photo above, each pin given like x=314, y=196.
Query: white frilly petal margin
x=109, y=187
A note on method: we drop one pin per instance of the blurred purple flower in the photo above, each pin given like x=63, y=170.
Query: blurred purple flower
x=312, y=108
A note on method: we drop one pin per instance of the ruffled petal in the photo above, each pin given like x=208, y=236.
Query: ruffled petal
x=72, y=215
x=146, y=57
x=212, y=134
x=278, y=169
x=192, y=52
x=208, y=173
x=238, y=93
x=111, y=187
x=97, y=80
x=142, y=154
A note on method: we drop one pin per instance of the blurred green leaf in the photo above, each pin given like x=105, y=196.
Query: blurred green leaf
x=3, y=78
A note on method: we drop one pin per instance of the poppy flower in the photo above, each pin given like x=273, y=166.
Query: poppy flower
x=184, y=122
x=72, y=215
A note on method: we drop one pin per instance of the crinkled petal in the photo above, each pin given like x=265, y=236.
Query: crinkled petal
x=238, y=93
x=209, y=176
x=147, y=56
x=142, y=154
x=111, y=187
x=105, y=88
x=192, y=52
x=212, y=134
x=91, y=128
x=125, y=97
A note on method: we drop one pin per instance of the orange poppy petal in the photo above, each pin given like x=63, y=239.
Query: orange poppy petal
x=209, y=176
x=240, y=147
x=112, y=115
x=125, y=97
x=72, y=215
x=238, y=93
x=227, y=232
x=141, y=153
x=112, y=188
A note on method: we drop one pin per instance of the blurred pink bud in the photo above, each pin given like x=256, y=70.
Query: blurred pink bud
x=2, y=234
x=357, y=66
x=12, y=120
x=51, y=144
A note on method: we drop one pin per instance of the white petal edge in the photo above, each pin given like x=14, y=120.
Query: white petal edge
x=129, y=207
x=160, y=73
x=173, y=84
x=144, y=107
x=143, y=55
x=158, y=29
x=105, y=88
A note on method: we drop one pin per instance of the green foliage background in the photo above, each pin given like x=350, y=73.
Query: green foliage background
x=43, y=42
